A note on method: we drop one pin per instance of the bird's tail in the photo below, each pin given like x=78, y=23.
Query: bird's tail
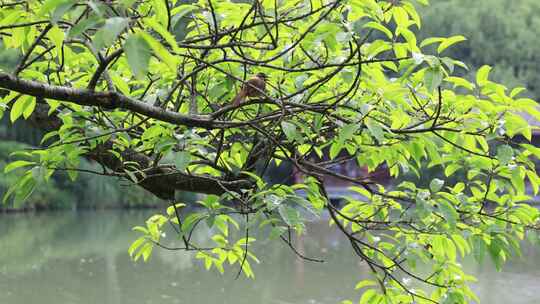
x=239, y=98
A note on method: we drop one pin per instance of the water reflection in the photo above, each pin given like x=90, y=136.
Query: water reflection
x=82, y=258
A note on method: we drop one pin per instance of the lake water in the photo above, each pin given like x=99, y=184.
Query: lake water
x=81, y=258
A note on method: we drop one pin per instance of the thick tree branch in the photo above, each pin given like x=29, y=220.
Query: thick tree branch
x=161, y=181
x=108, y=100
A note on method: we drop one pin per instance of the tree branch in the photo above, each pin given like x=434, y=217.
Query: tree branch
x=107, y=100
x=161, y=181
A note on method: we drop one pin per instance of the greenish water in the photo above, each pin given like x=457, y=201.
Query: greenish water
x=79, y=258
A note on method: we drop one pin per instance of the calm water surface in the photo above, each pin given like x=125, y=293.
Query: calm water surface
x=81, y=258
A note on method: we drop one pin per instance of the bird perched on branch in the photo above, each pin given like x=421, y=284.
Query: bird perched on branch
x=254, y=87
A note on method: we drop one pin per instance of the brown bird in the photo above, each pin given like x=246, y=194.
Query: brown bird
x=254, y=87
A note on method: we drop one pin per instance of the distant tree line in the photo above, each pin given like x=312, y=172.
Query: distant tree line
x=499, y=32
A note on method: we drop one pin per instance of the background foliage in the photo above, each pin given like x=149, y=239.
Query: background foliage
x=501, y=35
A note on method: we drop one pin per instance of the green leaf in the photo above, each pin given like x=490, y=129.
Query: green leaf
x=48, y=136
x=182, y=160
x=450, y=248
x=179, y=18
x=290, y=215
x=460, y=82
x=435, y=185
x=479, y=248
x=409, y=37
x=23, y=106
x=17, y=164
x=9, y=192
x=431, y=40
x=433, y=78
x=152, y=132
x=290, y=130
x=516, y=91
x=482, y=74
x=449, y=212
x=505, y=153
x=161, y=52
x=534, y=180
x=375, y=130
x=57, y=37
x=29, y=107
x=138, y=53
x=222, y=223
x=82, y=26
x=60, y=10
x=171, y=210
x=516, y=124
x=160, y=10
x=25, y=188
x=368, y=296
x=454, y=297
x=107, y=35
x=461, y=244
x=400, y=17
x=246, y=268
x=365, y=283
x=181, y=10
x=276, y=232
x=518, y=180
x=495, y=249
x=378, y=26
x=120, y=83
x=335, y=148
x=347, y=132
x=136, y=245
x=450, y=41
x=451, y=169
x=51, y=5
x=273, y=201
x=146, y=250
x=162, y=31
x=190, y=221
x=303, y=204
